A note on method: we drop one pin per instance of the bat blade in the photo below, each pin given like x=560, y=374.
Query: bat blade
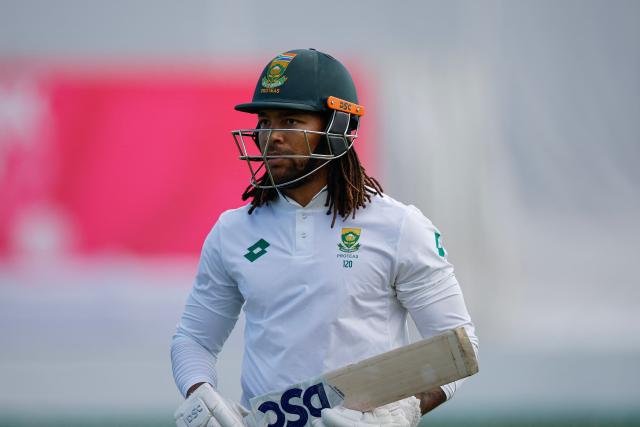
x=405, y=371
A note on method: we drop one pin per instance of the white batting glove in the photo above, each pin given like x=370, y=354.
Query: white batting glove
x=403, y=413
x=205, y=407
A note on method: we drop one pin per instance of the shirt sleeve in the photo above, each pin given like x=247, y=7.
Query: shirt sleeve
x=426, y=285
x=210, y=313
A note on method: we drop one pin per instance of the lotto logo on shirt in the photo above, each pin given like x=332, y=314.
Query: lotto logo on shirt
x=256, y=250
x=296, y=406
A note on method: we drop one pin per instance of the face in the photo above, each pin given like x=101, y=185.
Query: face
x=289, y=142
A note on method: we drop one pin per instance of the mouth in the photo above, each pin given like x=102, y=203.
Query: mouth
x=278, y=155
x=276, y=161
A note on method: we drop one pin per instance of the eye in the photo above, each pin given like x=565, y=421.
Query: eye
x=291, y=121
x=263, y=123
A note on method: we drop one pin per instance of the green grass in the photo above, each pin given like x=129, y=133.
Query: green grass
x=41, y=421
x=533, y=422
x=503, y=421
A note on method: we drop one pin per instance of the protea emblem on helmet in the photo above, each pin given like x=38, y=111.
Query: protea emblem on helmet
x=274, y=76
x=350, y=237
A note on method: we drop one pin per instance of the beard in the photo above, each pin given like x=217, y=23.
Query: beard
x=296, y=169
x=293, y=172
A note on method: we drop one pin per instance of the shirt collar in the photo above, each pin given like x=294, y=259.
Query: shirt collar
x=316, y=203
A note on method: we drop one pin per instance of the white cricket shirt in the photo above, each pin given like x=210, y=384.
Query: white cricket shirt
x=315, y=298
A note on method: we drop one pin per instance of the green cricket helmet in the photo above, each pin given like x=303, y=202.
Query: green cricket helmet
x=305, y=80
x=301, y=79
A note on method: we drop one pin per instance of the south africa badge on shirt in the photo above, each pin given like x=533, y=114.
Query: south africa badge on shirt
x=349, y=240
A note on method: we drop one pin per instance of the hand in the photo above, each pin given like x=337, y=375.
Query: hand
x=205, y=407
x=403, y=413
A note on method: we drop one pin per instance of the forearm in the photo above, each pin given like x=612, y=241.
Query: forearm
x=199, y=338
x=445, y=310
x=431, y=399
x=191, y=363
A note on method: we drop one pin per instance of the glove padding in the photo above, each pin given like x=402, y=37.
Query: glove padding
x=205, y=407
x=403, y=413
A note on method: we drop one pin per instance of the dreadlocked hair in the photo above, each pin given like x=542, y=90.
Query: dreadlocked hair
x=349, y=188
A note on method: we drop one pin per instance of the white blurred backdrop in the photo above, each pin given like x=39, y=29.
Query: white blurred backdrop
x=513, y=125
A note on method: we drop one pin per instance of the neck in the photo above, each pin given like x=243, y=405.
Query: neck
x=304, y=193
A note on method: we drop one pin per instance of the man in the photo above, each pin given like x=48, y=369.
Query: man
x=324, y=265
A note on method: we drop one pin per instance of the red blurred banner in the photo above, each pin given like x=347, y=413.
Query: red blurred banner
x=138, y=162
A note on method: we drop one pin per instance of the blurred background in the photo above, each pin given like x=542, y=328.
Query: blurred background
x=513, y=125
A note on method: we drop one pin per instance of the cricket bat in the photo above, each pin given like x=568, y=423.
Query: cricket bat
x=405, y=371
x=375, y=381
